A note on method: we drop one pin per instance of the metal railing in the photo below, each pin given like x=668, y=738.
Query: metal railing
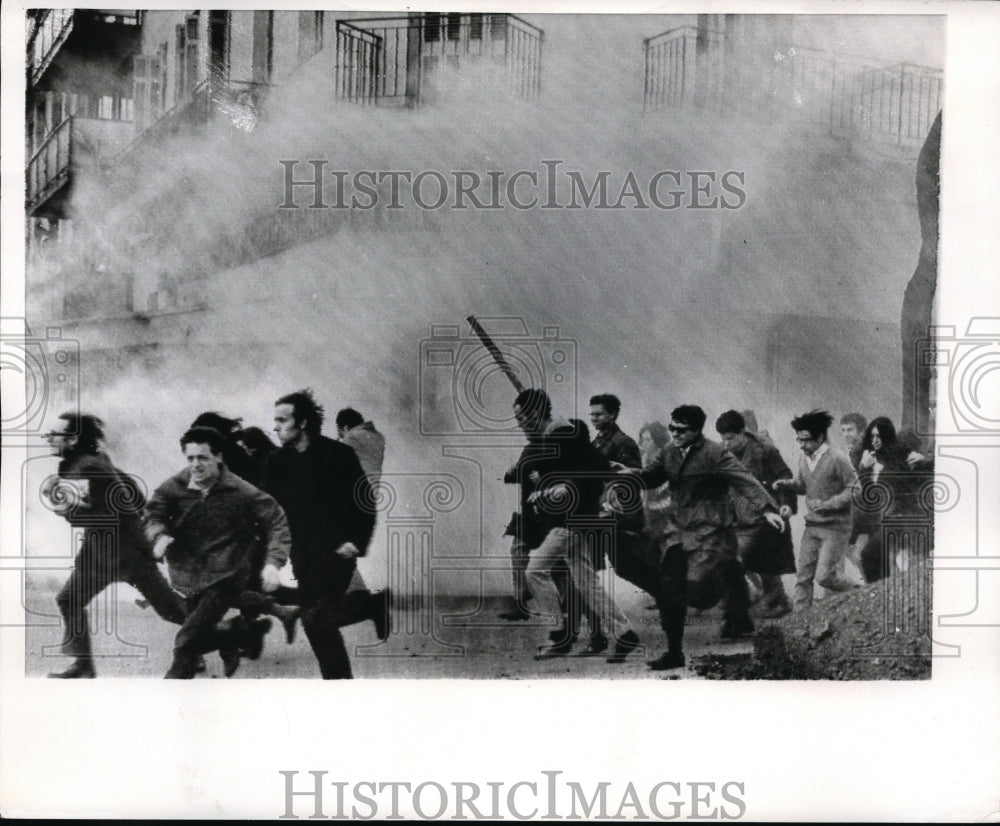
x=239, y=100
x=687, y=66
x=669, y=75
x=399, y=59
x=50, y=166
x=897, y=101
x=854, y=96
x=51, y=32
x=53, y=28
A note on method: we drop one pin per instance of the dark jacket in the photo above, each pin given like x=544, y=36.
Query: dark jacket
x=767, y=466
x=570, y=461
x=327, y=498
x=525, y=524
x=701, y=483
x=215, y=533
x=111, y=497
x=900, y=494
x=615, y=446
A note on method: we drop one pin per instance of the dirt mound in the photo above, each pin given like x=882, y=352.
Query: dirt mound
x=877, y=632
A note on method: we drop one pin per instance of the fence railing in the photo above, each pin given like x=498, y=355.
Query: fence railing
x=51, y=33
x=845, y=95
x=401, y=59
x=241, y=101
x=851, y=95
x=50, y=166
x=669, y=76
x=53, y=27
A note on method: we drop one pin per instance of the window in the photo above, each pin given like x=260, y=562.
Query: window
x=263, y=46
x=498, y=26
x=310, y=34
x=191, y=35
x=432, y=27
x=218, y=44
x=475, y=27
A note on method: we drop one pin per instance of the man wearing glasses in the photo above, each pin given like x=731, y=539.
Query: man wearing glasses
x=826, y=478
x=92, y=494
x=700, y=529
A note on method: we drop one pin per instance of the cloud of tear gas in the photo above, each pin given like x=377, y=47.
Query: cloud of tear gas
x=788, y=301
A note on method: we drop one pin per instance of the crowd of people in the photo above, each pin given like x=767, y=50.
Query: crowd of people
x=225, y=525
x=692, y=521
x=695, y=522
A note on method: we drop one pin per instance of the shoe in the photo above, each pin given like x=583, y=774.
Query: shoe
x=558, y=635
x=201, y=666
x=557, y=649
x=516, y=615
x=230, y=655
x=624, y=645
x=253, y=645
x=776, y=610
x=666, y=661
x=734, y=629
x=79, y=669
x=381, y=614
x=597, y=644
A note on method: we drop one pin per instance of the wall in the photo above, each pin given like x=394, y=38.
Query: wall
x=785, y=303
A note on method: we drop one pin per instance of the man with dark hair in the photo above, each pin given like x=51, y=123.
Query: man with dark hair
x=852, y=428
x=92, y=494
x=347, y=417
x=359, y=603
x=699, y=541
x=762, y=551
x=207, y=522
x=615, y=446
x=524, y=529
x=568, y=475
x=330, y=508
x=369, y=445
x=826, y=478
x=237, y=460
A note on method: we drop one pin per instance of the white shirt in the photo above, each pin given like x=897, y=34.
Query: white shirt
x=812, y=461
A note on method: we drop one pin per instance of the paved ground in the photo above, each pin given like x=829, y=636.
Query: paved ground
x=461, y=638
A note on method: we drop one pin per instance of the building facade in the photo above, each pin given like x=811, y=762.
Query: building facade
x=147, y=132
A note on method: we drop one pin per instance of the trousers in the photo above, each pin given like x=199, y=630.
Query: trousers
x=571, y=546
x=820, y=557
x=203, y=630
x=323, y=610
x=97, y=565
